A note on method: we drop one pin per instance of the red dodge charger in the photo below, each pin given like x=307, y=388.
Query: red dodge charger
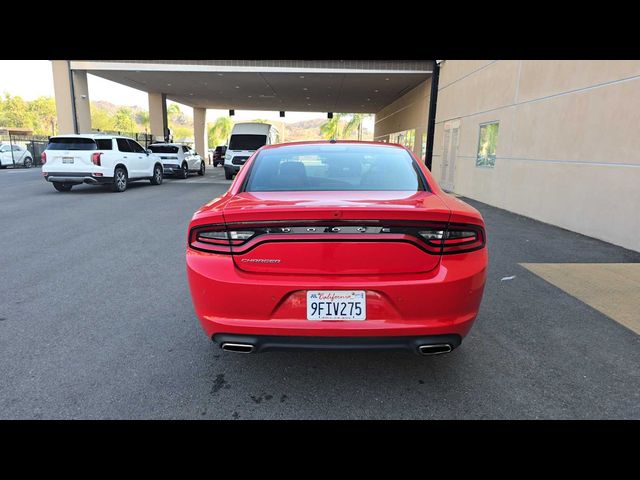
x=336, y=245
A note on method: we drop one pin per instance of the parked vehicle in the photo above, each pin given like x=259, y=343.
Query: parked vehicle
x=245, y=139
x=339, y=245
x=218, y=155
x=178, y=159
x=15, y=155
x=98, y=160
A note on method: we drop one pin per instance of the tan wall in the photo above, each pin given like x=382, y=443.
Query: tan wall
x=199, y=131
x=407, y=113
x=83, y=106
x=64, y=98
x=567, y=149
x=157, y=117
x=62, y=89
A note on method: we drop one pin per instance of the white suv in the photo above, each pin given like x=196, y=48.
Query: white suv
x=12, y=155
x=98, y=160
x=178, y=159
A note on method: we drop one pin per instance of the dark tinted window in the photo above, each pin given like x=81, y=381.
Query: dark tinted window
x=334, y=167
x=104, y=144
x=123, y=145
x=136, y=147
x=71, y=143
x=247, y=142
x=163, y=149
x=185, y=149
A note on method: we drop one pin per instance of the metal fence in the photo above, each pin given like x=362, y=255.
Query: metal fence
x=36, y=144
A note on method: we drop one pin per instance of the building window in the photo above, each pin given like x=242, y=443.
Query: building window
x=487, y=145
x=406, y=138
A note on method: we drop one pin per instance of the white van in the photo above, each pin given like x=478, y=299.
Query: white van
x=245, y=139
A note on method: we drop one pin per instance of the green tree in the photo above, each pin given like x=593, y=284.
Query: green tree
x=331, y=128
x=142, y=119
x=354, y=125
x=123, y=120
x=14, y=112
x=220, y=131
x=101, y=119
x=42, y=111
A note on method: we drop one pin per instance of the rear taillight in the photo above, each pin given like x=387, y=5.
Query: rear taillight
x=43, y=158
x=95, y=158
x=463, y=238
x=214, y=238
x=455, y=238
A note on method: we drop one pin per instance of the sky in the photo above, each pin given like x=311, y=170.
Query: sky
x=30, y=79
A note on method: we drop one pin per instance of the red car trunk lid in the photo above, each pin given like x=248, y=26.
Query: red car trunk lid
x=311, y=245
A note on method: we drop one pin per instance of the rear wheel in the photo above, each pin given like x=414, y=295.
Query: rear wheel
x=119, y=180
x=28, y=162
x=184, y=171
x=201, y=171
x=62, y=187
x=228, y=175
x=157, y=175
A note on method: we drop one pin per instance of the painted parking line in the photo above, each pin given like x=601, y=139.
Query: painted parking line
x=610, y=288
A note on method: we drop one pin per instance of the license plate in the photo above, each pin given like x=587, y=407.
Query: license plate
x=336, y=305
x=67, y=159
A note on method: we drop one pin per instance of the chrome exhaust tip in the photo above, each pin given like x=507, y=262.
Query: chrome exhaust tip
x=436, y=349
x=237, y=347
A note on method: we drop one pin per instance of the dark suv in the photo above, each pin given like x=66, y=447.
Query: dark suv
x=218, y=155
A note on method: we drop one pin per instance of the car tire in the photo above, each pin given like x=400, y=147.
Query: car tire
x=228, y=175
x=28, y=162
x=201, y=171
x=3, y=167
x=62, y=187
x=184, y=171
x=120, y=180
x=157, y=175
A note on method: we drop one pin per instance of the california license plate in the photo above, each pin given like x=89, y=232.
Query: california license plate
x=336, y=305
x=67, y=159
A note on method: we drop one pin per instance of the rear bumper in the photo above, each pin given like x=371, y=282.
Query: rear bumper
x=270, y=343
x=170, y=169
x=77, y=178
x=443, y=301
x=232, y=168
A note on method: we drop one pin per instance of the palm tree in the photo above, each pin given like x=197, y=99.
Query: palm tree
x=331, y=128
x=354, y=123
x=220, y=131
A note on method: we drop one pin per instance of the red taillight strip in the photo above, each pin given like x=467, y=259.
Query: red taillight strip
x=464, y=244
x=398, y=231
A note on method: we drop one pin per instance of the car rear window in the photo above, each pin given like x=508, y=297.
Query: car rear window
x=71, y=143
x=247, y=142
x=163, y=149
x=335, y=168
x=104, y=144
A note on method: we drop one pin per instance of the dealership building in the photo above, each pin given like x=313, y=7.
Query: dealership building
x=553, y=140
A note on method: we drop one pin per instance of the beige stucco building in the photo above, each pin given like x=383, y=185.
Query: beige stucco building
x=567, y=147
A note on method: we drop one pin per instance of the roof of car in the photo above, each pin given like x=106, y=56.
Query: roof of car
x=157, y=144
x=335, y=142
x=90, y=135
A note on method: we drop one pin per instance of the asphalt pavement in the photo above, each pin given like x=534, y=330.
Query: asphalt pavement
x=96, y=322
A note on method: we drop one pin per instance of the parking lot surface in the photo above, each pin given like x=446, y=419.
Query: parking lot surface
x=96, y=321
